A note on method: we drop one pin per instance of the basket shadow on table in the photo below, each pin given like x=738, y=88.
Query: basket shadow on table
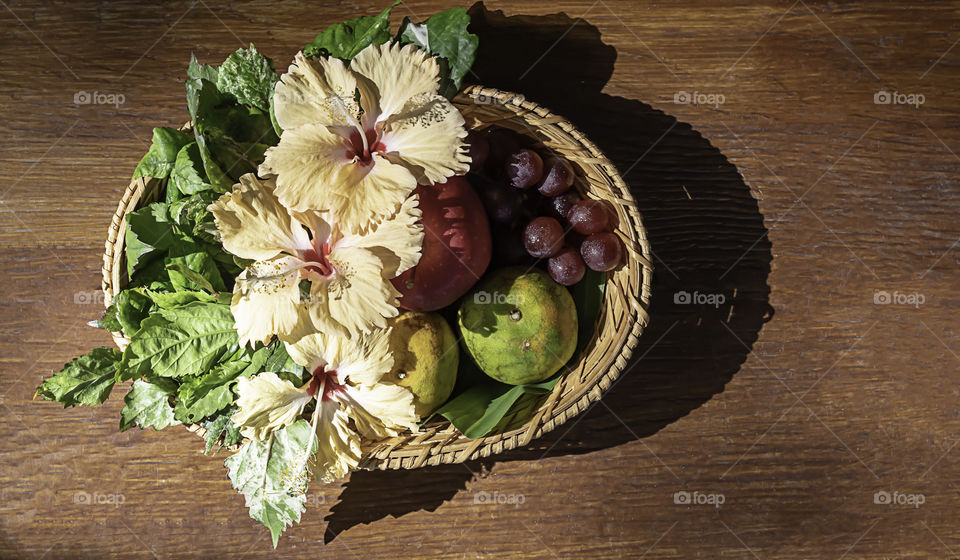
x=705, y=227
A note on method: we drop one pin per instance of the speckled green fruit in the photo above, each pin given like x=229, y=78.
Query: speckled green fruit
x=519, y=326
x=425, y=358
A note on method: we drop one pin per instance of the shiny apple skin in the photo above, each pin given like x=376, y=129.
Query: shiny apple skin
x=456, y=246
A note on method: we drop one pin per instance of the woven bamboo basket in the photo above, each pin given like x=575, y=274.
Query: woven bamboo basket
x=622, y=319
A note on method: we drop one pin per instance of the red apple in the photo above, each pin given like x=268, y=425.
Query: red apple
x=456, y=246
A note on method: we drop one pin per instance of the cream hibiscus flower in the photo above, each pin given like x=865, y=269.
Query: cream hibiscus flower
x=348, y=274
x=356, y=140
x=345, y=386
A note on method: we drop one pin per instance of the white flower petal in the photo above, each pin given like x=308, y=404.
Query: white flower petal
x=427, y=135
x=397, y=241
x=310, y=164
x=338, y=449
x=380, y=410
x=314, y=171
x=253, y=224
x=266, y=403
x=395, y=74
x=316, y=91
x=266, y=300
x=361, y=359
x=358, y=297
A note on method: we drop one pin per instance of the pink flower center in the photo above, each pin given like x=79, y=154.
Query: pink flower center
x=321, y=264
x=363, y=151
x=325, y=379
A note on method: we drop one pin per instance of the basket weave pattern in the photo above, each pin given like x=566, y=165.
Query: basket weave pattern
x=625, y=305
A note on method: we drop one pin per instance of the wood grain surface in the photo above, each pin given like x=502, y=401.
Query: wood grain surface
x=803, y=405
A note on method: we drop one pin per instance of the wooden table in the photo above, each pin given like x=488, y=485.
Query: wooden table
x=803, y=404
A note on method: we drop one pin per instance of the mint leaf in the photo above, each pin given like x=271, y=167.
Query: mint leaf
x=272, y=475
x=220, y=430
x=186, y=176
x=180, y=341
x=147, y=405
x=159, y=159
x=200, y=397
x=345, y=40
x=249, y=77
x=445, y=35
x=85, y=380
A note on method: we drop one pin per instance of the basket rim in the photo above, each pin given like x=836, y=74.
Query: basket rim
x=632, y=313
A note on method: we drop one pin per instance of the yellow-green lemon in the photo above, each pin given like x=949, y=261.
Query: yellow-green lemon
x=425, y=358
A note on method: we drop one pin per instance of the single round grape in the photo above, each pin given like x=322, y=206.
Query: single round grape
x=566, y=267
x=524, y=168
x=557, y=177
x=502, y=143
x=602, y=251
x=543, y=237
x=589, y=216
x=479, y=149
x=503, y=203
x=560, y=205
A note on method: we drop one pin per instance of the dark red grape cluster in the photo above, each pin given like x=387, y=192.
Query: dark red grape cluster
x=535, y=214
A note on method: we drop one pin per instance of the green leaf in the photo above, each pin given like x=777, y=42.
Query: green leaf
x=445, y=35
x=249, y=77
x=273, y=476
x=279, y=361
x=85, y=380
x=195, y=70
x=220, y=430
x=194, y=271
x=147, y=405
x=202, y=396
x=133, y=306
x=168, y=300
x=180, y=341
x=186, y=175
x=345, y=40
x=480, y=409
x=152, y=275
x=148, y=234
x=159, y=159
x=231, y=138
x=109, y=321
